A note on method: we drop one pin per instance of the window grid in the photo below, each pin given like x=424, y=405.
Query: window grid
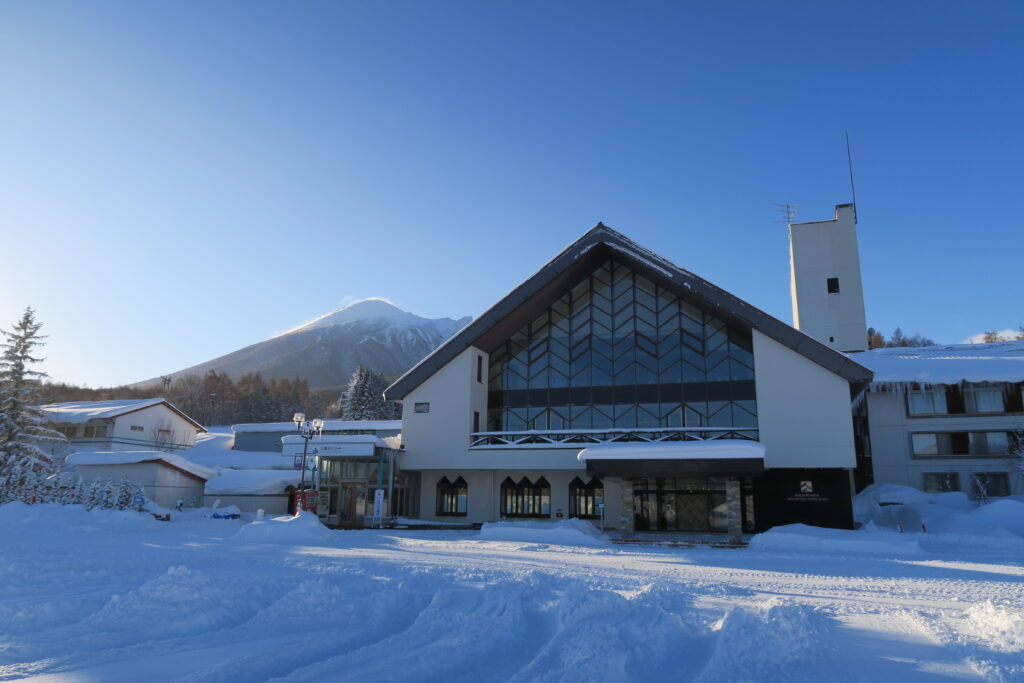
x=619, y=351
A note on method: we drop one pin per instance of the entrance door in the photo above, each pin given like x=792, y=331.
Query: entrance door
x=666, y=504
x=349, y=495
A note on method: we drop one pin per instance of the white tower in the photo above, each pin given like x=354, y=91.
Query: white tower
x=825, y=283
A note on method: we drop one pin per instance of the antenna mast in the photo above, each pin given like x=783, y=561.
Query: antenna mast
x=849, y=163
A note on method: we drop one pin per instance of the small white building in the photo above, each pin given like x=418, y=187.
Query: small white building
x=165, y=477
x=124, y=425
x=942, y=418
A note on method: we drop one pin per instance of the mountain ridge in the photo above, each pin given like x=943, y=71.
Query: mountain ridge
x=326, y=350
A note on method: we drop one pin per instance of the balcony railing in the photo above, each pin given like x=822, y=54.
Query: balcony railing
x=581, y=438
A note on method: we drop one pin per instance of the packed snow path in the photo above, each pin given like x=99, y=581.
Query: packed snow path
x=115, y=596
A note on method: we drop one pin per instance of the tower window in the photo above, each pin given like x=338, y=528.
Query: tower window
x=833, y=285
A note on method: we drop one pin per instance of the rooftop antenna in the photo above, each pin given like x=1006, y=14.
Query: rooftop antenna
x=849, y=163
x=788, y=212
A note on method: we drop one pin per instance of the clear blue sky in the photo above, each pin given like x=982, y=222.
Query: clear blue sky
x=181, y=179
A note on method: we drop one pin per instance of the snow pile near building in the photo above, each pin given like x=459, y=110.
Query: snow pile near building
x=941, y=514
x=948, y=364
x=803, y=538
x=929, y=522
x=252, y=482
x=303, y=529
x=562, y=532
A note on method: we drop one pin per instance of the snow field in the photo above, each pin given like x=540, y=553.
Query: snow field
x=118, y=596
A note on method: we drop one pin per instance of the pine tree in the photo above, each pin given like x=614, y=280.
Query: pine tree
x=94, y=496
x=22, y=429
x=364, y=398
x=124, y=495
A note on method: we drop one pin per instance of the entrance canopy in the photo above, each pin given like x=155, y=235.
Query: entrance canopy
x=716, y=457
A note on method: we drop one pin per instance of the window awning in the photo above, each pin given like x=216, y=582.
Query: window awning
x=725, y=457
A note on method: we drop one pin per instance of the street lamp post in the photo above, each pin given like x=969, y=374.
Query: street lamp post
x=307, y=430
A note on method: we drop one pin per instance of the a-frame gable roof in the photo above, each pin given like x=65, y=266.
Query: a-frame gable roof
x=544, y=285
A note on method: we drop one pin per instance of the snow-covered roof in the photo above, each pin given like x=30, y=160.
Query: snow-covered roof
x=252, y=482
x=134, y=457
x=949, y=364
x=77, y=412
x=714, y=449
x=338, y=438
x=329, y=426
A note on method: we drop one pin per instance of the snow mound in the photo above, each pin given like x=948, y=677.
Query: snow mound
x=785, y=634
x=298, y=530
x=803, y=538
x=1002, y=628
x=946, y=517
x=561, y=532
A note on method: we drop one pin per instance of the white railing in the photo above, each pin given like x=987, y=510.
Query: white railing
x=576, y=438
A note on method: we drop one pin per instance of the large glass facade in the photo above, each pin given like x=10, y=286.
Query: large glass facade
x=621, y=352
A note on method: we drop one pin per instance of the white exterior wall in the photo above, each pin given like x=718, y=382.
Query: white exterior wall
x=151, y=419
x=483, y=496
x=434, y=439
x=892, y=455
x=163, y=485
x=803, y=410
x=818, y=251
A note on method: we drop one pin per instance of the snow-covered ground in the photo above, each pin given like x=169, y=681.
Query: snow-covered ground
x=118, y=596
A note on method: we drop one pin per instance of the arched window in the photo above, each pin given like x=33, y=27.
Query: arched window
x=525, y=498
x=451, y=497
x=586, y=499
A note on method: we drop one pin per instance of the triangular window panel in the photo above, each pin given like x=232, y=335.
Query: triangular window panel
x=615, y=340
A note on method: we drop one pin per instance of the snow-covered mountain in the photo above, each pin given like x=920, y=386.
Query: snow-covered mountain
x=326, y=350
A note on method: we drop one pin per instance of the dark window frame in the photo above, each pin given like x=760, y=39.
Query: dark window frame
x=961, y=444
x=449, y=496
x=525, y=499
x=832, y=285
x=952, y=482
x=423, y=407
x=586, y=495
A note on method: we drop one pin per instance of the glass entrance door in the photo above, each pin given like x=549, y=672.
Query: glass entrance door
x=672, y=504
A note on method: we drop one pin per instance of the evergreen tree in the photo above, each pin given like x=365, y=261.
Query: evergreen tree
x=94, y=496
x=124, y=495
x=364, y=398
x=22, y=425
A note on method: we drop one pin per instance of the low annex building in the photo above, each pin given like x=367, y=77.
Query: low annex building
x=943, y=418
x=616, y=386
x=124, y=425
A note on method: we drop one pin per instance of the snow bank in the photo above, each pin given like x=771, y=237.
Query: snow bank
x=674, y=450
x=304, y=529
x=803, y=538
x=947, y=517
x=562, y=532
x=252, y=482
x=134, y=457
x=784, y=633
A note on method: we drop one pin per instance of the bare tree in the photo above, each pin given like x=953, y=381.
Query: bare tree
x=163, y=436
